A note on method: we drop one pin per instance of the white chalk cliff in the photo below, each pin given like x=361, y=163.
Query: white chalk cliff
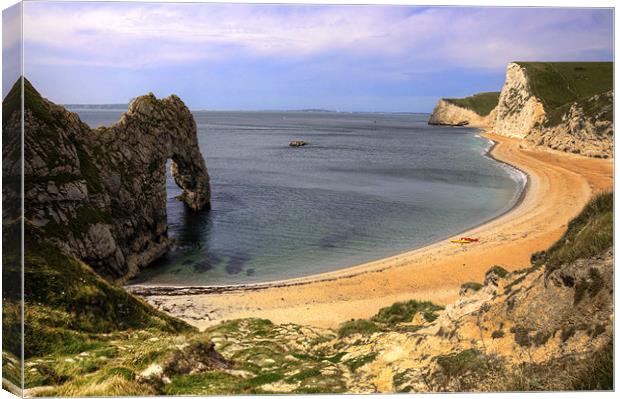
x=579, y=127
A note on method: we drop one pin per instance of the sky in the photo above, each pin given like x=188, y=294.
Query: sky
x=258, y=57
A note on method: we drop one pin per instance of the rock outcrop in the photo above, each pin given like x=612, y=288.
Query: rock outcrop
x=546, y=107
x=100, y=194
x=585, y=127
x=518, y=110
x=449, y=114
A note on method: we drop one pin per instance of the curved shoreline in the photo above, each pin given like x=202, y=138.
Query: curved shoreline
x=559, y=185
x=347, y=272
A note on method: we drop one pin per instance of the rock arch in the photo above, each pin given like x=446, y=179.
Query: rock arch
x=101, y=193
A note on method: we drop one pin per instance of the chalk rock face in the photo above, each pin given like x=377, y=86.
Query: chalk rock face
x=101, y=193
x=518, y=110
x=449, y=114
x=580, y=132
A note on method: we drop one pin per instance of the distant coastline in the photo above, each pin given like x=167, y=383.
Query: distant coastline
x=115, y=107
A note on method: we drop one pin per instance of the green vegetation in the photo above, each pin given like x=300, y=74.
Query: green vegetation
x=589, y=234
x=600, y=107
x=522, y=336
x=471, y=286
x=67, y=305
x=498, y=270
x=360, y=326
x=594, y=373
x=497, y=334
x=464, y=370
x=558, y=83
x=391, y=318
x=481, y=103
x=358, y=362
x=592, y=285
x=12, y=103
x=403, y=312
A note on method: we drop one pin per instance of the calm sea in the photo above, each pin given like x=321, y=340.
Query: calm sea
x=368, y=186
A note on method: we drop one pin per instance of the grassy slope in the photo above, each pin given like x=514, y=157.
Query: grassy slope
x=266, y=356
x=589, y=234
x=481, y=103
x=67, y=305
x=559, y=84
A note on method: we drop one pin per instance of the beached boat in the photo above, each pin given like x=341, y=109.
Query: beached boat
x=461, y=241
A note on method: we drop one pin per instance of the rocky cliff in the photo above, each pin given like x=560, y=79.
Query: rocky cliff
x=518, y=110
x=449, y=114
x=566, y=106
x=100, y=194
x=475, y=111
x=563, y=106
x=583, y=127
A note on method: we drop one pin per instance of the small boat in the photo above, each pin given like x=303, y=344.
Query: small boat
x=470, y=239
x=297, y=143
x=461, y=241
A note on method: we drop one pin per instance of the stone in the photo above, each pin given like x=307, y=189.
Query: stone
x=100, y=194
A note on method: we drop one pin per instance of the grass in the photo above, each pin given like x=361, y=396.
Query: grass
x=208, y=383
x=471, y=286
x=593, y=373
x=481, y=103
x=589, y=234
x=463, y=370
x=390, y=319
x=67, y=305
x=358, y=362
x=497, y=334
x=522, y=336
x=498, y=270
x=12, y=102
x=600, y=108
x=559, y=83
x=360, y=326
x=403, y=312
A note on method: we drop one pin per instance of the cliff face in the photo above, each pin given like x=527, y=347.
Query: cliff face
x=490, y=339
x=100, y=194
x=563, y=106
x=585, y=127
x=518, y=110
x=581, y=125
x=449, y=114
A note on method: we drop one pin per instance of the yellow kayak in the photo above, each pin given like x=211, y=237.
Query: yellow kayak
x=461, y=241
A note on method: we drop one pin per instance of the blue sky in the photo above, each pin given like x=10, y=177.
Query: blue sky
x=349, y=58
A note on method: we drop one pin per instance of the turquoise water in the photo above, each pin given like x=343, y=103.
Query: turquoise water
x=367, y=186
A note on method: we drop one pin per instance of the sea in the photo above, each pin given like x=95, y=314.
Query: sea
x=367, y=186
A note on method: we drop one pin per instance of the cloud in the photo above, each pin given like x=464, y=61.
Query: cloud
x=395, y=40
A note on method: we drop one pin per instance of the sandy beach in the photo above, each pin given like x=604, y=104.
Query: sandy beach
x=559, y=185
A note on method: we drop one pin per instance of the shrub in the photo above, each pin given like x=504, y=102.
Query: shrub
x=402, y=312
x=497, y=334
x=500, y=271
x=522, y=336
x=360, y=326
x=471, y=286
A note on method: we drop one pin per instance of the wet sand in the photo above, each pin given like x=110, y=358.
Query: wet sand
x=559, y=185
